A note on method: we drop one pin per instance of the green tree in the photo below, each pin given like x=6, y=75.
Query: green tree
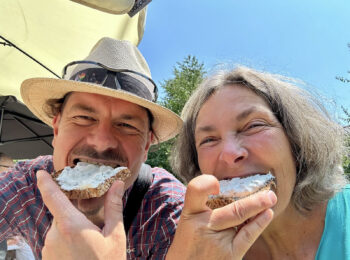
x=342, y=79
x=346, y=161
x=346, y=119
x=186, y=77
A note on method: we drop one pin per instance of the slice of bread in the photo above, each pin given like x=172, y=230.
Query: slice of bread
x=89, y=189
x=238, y=188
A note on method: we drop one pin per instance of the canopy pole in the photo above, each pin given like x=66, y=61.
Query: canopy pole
x=14, y=46
x=1, y=119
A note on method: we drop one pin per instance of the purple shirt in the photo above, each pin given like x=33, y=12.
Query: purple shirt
x=22, y=210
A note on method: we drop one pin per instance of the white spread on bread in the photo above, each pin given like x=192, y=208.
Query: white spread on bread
x=242, y=187
x=85, y=175
x=238, y=188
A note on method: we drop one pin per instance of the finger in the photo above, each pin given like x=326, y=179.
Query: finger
x=51, y=239
x=55, y=200
x=239, y=211
x=197, y=193
x=114, y=210
x=250, y=232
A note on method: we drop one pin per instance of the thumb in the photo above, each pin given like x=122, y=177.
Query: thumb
x=197, y=193
x=114, y=225
x=55, y=200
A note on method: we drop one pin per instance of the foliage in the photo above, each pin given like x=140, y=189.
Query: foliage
x=346, y=119
x=186, y=76
x=346, y=166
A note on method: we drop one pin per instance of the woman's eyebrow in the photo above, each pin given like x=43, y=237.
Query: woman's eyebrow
x=246, y=113
x=206, y=128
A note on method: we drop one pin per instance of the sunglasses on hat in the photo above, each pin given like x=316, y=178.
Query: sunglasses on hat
x=119, y=79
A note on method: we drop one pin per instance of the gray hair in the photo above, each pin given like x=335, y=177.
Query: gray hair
x=316, y=140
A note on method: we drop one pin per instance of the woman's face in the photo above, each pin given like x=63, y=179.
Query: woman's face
x=237, y=135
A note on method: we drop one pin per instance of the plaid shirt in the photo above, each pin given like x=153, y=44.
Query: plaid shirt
x=23, y=212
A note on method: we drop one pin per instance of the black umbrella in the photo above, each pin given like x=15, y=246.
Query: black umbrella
x=22, y=134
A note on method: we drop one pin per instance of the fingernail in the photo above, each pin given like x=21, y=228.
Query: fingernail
x=268, y=215
x=120, y=190
x=272, y=196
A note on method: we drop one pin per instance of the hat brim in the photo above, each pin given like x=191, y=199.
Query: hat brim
x=36, y=91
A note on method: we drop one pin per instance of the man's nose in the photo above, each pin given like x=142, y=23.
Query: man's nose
x=102, y=137
x=233, y=151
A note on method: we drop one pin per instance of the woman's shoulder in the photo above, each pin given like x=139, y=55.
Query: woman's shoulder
x=344, y=193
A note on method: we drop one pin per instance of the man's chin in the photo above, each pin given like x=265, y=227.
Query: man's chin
x=93, y=209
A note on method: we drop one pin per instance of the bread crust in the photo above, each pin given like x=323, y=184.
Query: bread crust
x=89, y=193
x=223, y=199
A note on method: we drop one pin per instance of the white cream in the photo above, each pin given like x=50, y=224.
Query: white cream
x=85, y=175
x=240, y=186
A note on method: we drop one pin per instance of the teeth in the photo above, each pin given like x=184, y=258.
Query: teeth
x=75, y=161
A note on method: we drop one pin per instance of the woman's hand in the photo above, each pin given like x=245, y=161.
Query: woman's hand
x=203, y=233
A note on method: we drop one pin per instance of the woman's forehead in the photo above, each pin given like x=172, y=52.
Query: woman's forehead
x=232, y=96
x=231, y=102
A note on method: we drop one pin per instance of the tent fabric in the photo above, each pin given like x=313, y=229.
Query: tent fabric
x=22, y=134
x=55, y=33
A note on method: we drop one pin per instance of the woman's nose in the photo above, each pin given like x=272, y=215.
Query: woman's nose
x=233, y=151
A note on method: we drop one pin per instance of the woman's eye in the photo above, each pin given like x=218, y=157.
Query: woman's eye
x=207, y=140
x=253, y=125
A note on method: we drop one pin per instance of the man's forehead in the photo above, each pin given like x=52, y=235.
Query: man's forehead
x=85, y=97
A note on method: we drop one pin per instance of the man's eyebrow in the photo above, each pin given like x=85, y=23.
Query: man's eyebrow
x=130, y=117
x=83, y=107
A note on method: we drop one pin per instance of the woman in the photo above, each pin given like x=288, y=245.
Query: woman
x=243, y=122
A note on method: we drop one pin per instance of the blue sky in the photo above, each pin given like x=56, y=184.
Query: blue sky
x=301, y=39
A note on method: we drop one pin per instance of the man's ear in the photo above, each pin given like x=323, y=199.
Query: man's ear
x=148, y=144
x=55, y=124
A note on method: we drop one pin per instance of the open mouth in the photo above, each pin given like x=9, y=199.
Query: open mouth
x=93, y=161
x=246, y=175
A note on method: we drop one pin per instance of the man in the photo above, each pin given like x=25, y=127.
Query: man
x=103, y=111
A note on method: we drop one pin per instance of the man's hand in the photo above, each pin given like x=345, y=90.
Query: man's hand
x=72, y=235
x=203, y=233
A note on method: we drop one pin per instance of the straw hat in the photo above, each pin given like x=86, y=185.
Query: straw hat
x=131, y=82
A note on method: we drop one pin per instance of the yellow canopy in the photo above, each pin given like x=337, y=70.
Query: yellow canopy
x=54, y=32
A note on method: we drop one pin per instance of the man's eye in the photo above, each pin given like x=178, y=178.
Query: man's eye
x=126, y=125
x=83, y=118
x=128, y=128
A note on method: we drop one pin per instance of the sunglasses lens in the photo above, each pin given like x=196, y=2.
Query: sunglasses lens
x=92, y=74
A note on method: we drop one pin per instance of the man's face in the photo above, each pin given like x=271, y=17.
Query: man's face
x=100, y=129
